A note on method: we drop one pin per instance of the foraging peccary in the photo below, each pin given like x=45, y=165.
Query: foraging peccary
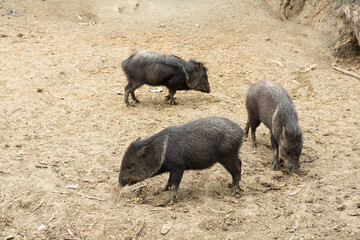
x=152, y=68
x=269, y=103
x=195, y=145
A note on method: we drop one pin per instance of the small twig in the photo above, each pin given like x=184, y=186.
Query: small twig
x=346, y=72
x=223, y=212
x=38, y=206
x=141, y=186
x=90, y=226
x=277, y=62
x=52, y=217
x=90, y=197
x=140, y=230
x=80, y=194
x=64, y=163
x=12, y=200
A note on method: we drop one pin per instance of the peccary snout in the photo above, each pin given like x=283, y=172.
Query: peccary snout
x=294, y=165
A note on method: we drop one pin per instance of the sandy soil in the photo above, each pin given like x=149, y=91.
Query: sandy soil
x=63, y=128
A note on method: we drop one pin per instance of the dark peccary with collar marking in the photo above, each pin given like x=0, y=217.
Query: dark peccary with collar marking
x=269, y=103
x=195, y=145
x=155, y=69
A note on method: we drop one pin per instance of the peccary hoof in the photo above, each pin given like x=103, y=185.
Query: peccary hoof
x=166, y=188
x=275, y=165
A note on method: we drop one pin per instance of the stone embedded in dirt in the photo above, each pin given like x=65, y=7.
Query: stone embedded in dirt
x=75, y=186
x=19, y=145
x=166, y=227
x=20, y=35
x=11, y=236
x=341, y=208
x=3, y=35
x=277, y=175
x=39, y=90
x=295, y=191
x=41, y=229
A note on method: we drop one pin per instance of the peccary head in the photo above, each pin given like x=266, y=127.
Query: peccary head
x=290, y=149
x=142, y=160
x=198, y=78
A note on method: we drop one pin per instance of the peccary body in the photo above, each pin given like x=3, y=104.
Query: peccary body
x=155, y=69
x=269, y=103
x=195, y=145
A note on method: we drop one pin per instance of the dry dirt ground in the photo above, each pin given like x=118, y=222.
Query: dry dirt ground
x=63, y=128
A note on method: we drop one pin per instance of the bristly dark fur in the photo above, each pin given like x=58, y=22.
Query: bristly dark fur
x=195, y=145
x=155, y=69
x=145, y=57
x=269, y=103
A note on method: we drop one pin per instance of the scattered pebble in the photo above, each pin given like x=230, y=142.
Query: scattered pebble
x=39, y=90
x=19, y=145
x=13, y=12
x=277, y=175
x=341, y=208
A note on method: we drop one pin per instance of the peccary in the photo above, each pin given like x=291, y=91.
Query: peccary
x=195, y=145
x=155, y=69
x=269, y=103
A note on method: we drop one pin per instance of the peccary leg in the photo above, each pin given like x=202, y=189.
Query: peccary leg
x=129, y=88
x=247, y=129
x=275, y=146
x=168, y=184
x=233, y=165
x=133, y=97
x=176, y=177
x=253, y=137
x=171, y=96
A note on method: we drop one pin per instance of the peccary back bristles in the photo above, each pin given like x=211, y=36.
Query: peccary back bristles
x=195, y=145
x=145, y=57
x=156, y=69
x=269, y=103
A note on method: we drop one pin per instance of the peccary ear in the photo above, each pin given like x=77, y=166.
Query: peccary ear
x=142, y=151
x=199, y=66
x=138, y=139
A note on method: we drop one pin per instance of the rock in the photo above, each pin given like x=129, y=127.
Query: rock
x=277, y=175
x=341, y=208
